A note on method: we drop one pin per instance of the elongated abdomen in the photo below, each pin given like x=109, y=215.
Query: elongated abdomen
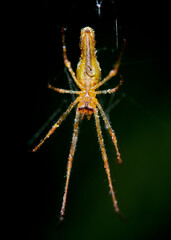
x=88, y=69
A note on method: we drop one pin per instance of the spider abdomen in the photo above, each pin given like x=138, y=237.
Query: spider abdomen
x=88, y=68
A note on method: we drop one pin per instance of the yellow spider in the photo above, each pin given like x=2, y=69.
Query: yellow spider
x=88, y=79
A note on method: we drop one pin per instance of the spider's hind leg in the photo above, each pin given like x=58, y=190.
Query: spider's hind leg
x=114, y=71
x=67, y=62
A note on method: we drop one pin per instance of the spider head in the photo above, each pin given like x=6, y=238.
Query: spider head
x=86, y=111
x=87, y=104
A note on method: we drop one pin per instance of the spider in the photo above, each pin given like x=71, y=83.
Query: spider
x=87, y=78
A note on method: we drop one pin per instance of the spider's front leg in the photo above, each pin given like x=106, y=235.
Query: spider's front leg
x=56, y=125
x=105, y=159
x=69, y=165
x=111, y=131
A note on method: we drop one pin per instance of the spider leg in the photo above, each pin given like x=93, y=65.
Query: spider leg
x=104, y=156
x=63, y=90
x=67, y=62
x=111, y=131
x=111, y=90
x=69, y=165
x=56, y=125
x=114, y=71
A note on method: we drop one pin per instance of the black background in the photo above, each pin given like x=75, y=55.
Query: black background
x=140, y=116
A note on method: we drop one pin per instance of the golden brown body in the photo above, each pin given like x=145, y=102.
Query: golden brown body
x=88, y=72
x=88, y=79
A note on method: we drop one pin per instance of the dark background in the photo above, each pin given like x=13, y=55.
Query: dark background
x=139, y=113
